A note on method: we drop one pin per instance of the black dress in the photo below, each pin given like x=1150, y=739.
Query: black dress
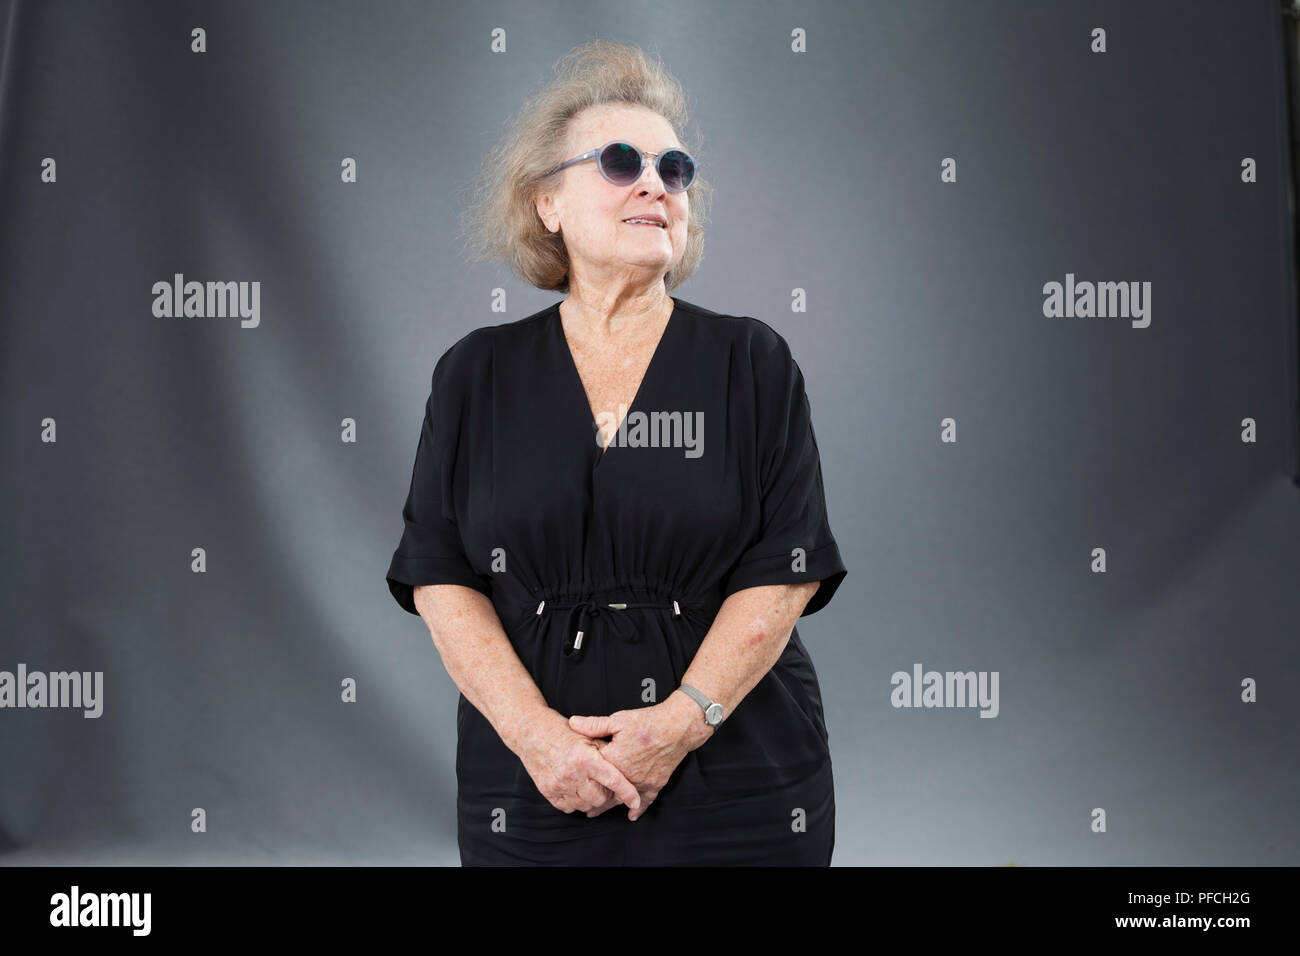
x=511, y=495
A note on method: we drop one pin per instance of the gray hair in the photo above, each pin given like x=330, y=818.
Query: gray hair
x=501, y=220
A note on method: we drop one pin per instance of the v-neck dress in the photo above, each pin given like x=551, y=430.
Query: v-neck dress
x=607, y=568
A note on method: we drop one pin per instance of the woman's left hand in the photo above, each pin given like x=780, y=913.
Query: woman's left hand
x=648, y=743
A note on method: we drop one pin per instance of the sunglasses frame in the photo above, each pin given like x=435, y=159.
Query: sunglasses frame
x=642, y=155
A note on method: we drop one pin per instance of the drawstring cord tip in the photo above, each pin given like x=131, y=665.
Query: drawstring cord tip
x=577, y=641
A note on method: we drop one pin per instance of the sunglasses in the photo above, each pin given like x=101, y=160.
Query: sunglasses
x=622, y=164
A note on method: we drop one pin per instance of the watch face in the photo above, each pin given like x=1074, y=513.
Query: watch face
x=714, y=714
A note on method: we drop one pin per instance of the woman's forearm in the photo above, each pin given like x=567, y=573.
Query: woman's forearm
x=479, y=657
x=748, y=636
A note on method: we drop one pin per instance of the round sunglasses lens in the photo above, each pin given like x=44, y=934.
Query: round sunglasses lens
x=677, y=169
x=621, y=163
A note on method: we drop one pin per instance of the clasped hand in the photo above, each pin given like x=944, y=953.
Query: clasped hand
x=647, y=745
x=576, y=768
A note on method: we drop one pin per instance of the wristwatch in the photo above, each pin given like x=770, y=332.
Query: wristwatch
x=712, y=709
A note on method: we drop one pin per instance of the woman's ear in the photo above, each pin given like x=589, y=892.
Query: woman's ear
x=546, y=212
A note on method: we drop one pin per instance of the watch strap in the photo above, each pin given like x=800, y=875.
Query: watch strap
x=699, y=697
x=712, y=709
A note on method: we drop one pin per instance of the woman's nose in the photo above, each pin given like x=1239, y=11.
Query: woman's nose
x=649, y=179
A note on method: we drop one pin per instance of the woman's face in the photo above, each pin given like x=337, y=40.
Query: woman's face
x=589, y=211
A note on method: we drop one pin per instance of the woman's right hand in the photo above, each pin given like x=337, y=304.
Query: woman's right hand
x=568, y=769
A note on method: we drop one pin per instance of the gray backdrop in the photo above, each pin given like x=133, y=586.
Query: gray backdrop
x=1119, y=690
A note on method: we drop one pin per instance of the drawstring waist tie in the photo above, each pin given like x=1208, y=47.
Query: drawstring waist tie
x=583, y=613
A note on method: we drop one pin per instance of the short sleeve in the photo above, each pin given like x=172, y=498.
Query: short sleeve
x=431, y=550
x=794, y=544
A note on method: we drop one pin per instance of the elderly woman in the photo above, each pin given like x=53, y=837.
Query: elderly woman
x=616, y=517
